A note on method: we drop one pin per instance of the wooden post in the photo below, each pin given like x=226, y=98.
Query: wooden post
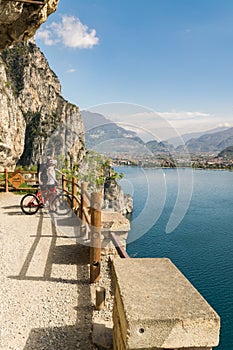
x=64, y=183
x=74, y=192
x=6, y=180
x=100, y=297
x=83, y=205
x=95, y=248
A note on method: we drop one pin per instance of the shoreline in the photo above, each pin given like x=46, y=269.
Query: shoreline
x=173, y=168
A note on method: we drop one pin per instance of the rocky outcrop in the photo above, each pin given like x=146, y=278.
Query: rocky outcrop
x=115, y=198
x=20, y=20
x=35, y=120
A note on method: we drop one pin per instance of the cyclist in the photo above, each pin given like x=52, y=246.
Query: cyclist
x=51, y=181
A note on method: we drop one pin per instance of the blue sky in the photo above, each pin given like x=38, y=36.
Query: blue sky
x=174, y=57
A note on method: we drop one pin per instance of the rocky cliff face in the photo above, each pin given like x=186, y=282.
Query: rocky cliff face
x=115, y=199
x=20, y=20
x=34, y=117
x=12, y=123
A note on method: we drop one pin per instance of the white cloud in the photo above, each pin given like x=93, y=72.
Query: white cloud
x=45, y=35
x=71, y=70
x=183, y=115
x=225, y=125
x=167, y=124
x=71, y=32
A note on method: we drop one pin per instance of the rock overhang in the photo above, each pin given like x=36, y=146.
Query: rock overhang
x=19, y=20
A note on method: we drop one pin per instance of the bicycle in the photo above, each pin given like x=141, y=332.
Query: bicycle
x=60, y=202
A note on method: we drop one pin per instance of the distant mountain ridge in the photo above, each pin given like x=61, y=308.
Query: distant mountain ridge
x=105, y=136
x=159, y=147
x=227, y=153
x=101, y=131
x=177, y=141
x=215, y=142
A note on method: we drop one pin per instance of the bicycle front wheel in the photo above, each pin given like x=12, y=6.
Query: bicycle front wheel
x=62, y=204
x=30, y=204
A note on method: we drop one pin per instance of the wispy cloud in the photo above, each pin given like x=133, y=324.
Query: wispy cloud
x=46, y=36
x=225, y=125
x=71, y=70
x=183, y=115
x=160, y=125
x=157, y=125
x=70, y=32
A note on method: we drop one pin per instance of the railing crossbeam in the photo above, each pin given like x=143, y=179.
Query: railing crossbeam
x=121, y=251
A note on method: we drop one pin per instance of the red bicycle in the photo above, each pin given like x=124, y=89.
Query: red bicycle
x=60, y=202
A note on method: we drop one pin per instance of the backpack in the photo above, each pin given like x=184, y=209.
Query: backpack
x=43, y=173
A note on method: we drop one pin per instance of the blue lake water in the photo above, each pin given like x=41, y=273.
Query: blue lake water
x=201, y=245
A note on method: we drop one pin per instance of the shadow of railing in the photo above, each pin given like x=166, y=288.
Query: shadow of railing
x=78, y=335
x=32, y=250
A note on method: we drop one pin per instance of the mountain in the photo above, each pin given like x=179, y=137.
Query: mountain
x=159, y=147
x=103, y=135
x=227, y=153
x=177, y=141
x=215, y=142
x=34, y=117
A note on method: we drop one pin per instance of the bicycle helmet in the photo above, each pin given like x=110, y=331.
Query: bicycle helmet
x=51, y=161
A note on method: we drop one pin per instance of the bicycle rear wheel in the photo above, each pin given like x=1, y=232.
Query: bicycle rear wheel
x=62, y=204
x=30, y=204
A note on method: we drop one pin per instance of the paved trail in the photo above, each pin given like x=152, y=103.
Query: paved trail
x=44, y=286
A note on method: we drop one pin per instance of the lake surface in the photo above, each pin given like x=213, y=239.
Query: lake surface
x=201, y=245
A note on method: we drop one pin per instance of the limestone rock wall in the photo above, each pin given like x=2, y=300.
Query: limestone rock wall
x=19, y=21
x=34, y=118
x=116, y=199
x=12, y=124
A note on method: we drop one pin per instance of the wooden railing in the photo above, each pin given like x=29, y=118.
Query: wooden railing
x=90, y=218
x=74, y=190
x=18, y=180
x=89, y=213
x=120, y=249
x=87, y=206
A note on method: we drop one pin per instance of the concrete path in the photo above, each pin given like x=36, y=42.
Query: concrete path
x=44, y=288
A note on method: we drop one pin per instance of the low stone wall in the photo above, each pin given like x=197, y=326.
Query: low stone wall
x=156, y=307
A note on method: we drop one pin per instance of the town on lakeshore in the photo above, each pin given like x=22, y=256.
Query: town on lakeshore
x=202, y=161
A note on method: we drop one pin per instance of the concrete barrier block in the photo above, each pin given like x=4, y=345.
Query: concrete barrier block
x=157, y=307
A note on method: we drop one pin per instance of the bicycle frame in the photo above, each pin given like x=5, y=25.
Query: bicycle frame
x=45, y=195
x=57, y=202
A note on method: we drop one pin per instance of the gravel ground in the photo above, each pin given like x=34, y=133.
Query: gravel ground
x=46, y=299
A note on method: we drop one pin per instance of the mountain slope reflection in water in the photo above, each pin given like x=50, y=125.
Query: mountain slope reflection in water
x=201, y=246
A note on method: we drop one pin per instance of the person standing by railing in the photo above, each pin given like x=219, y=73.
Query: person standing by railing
x=43, y=178
x=51, y=182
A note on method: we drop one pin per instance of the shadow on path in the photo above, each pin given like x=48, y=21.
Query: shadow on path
x=32, y=250
x=9, y=208
x=70, y=337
